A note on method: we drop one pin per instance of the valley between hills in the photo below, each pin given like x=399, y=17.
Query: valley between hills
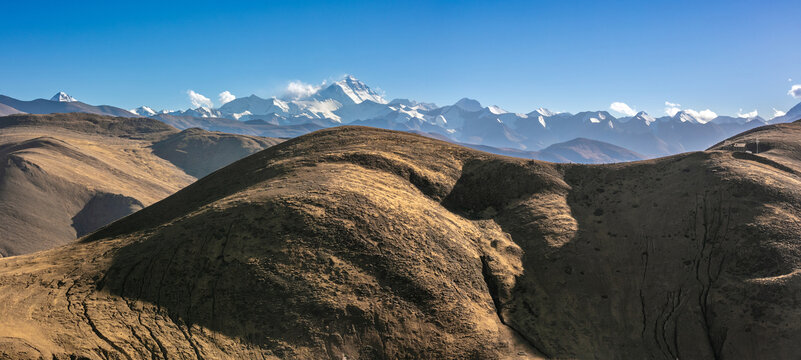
x=362, y=243
x=66, y=175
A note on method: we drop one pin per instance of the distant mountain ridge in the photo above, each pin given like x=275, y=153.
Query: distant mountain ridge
x=580, y=151
x=793, y=114
x=350, y=101
x=6, y=110
x=62, y=103
x=467, y=121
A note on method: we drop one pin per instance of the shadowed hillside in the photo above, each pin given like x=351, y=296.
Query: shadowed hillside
x=200, y=152
x=365, y=243
x=65, y=175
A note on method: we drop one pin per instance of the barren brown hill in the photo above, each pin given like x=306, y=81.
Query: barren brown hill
x=65, y=175
x=776, y=145
x=200, y=152
x=365, y=243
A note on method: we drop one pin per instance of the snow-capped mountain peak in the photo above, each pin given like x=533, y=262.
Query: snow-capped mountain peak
x=201, y=112
x=642, y=116
x=683, y=116
x=495, y=109
x=143, y=111
x=349, y=91
x=255, y=105
x=62, y=97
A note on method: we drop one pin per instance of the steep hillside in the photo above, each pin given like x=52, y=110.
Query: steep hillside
x=361, y=243
x=65, y=175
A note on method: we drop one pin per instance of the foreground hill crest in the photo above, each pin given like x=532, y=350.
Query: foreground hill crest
x=369, y=243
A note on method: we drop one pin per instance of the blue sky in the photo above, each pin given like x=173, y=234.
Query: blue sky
x=563, y=55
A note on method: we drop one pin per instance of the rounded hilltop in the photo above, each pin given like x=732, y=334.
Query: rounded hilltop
x=365, y=243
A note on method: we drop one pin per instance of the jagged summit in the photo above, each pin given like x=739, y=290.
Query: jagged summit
x=62, y=97
x=349, y=91
x=643, y=117
x=542, y=112
x=683, y=116
x=143, y=111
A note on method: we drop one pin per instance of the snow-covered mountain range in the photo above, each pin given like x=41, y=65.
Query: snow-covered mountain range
x=350, y=101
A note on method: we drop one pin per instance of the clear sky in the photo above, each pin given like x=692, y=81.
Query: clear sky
x=562, y=55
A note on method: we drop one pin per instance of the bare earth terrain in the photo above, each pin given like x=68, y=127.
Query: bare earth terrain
x=362, y=243
x=66, y=175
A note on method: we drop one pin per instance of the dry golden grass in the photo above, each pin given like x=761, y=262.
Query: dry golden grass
x=365, y=243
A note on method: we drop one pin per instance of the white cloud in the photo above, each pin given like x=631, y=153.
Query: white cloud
x=622, y=108
x=751, y=114
x=199, y=100
x=226, y=97
x=777, y=113
x=299, y=89
x=703, y=115
x=795, y=91
x=672, y=108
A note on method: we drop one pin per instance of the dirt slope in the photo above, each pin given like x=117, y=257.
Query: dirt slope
x=365, y=243
x=65, y=175
x=200, y=152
